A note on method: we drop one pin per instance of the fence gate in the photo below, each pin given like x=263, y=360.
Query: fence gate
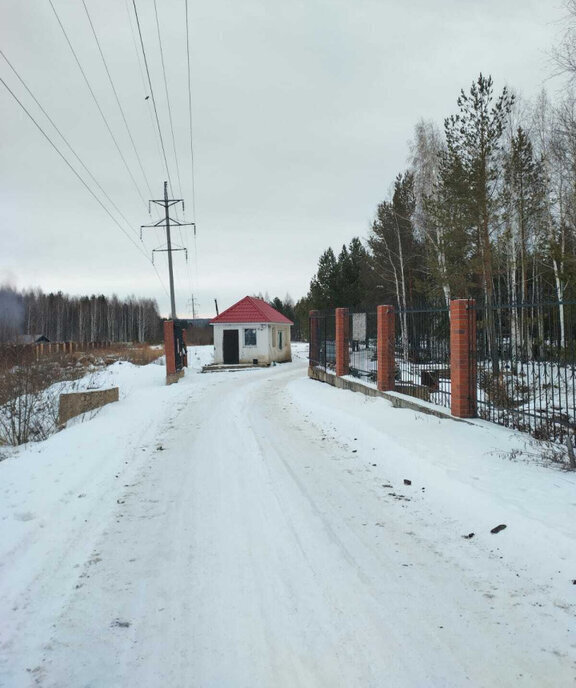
x=175, y=346
x=180, y=354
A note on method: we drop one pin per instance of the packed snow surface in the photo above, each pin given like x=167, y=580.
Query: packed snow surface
x=254, y=529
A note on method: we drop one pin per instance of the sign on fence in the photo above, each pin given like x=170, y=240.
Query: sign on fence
x=359, y=326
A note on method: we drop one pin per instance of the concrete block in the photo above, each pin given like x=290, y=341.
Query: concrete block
x=75, y=403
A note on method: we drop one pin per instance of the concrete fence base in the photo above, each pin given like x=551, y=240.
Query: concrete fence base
x=394, y=398
x=171, y=378
x=76, y=403
x=462, y=371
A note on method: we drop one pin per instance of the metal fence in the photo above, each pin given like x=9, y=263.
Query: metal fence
x=526, y=365
x=324, y=324
x=422, y=353
x=363, y=339
x=524, y=360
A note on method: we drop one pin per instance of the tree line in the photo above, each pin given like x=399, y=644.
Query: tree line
x=61, y=317
x=485, y=208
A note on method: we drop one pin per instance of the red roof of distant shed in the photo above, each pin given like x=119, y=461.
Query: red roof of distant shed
x=251, y=310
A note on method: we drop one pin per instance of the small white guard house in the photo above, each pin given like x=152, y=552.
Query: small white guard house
x=251, y=332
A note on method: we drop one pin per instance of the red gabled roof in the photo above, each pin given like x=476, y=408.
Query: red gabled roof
x=251, y=310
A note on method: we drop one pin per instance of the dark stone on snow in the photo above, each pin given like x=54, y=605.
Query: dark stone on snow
x=497, y=529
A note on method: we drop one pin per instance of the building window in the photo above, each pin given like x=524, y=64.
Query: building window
x=249, y=337
x=274, y=337
x=280, y=333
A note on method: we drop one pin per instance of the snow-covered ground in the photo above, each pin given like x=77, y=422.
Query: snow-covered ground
x=253, y=529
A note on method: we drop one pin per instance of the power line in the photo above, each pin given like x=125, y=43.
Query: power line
x=169, y=114
x=31, y=94
x=77, y=175
x=97, y=103
x=190, y=121
x=152, y=94
x=167, y=97
x=190, y=116
x=116, y=96
x=169, y=117
x=167, y=203
x=142, y=77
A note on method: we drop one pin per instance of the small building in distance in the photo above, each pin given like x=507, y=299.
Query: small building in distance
x=31, y=339
x=251, y=332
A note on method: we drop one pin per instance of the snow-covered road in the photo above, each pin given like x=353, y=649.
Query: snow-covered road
x=253, y=530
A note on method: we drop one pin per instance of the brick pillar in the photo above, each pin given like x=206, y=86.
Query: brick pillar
x=169, y=347
x=385, y=348
x=463, y=358
x=342, y=342
x=314, y=339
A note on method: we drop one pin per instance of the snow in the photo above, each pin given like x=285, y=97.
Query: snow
x=254, y=529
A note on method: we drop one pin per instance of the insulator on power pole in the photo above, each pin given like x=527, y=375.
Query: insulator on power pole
x=167, y=203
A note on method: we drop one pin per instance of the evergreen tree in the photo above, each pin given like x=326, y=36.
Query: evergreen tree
x=473, y=138
x=324, y=286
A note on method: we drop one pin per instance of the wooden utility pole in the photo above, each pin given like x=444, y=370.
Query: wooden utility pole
x=167, y=222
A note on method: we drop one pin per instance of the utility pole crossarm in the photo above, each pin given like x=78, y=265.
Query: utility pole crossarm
x=162, y=223
x=166, y=222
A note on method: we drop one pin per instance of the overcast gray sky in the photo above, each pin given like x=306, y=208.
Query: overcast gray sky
x=302, y=115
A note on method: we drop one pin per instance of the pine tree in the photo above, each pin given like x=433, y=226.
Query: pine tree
x=325, y=284
x=473, y=139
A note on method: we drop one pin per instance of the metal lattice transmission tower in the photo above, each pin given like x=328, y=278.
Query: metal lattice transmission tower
x=168, y=222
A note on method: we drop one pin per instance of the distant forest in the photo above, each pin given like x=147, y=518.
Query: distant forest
x=61, y=317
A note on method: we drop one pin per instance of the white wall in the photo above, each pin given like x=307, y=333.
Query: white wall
x=264, y=351
x=276, y=353
x=246, y=354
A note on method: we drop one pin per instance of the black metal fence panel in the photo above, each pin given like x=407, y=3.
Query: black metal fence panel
x=323, y=333
x=526, y=365
x=363, y=333
x=524, y=360
x=422, y=353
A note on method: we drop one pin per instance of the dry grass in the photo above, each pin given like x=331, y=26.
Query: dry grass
x=139, y=355
x=29, y=396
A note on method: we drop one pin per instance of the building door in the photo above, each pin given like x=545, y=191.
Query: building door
x=230, y=346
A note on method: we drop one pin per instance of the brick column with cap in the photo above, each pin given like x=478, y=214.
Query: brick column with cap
x=463, y=358
x=385, y=348
x=169, y=347
x=342, y=343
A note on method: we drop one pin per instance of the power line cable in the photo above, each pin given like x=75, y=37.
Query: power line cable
x=167, y=97
x=116, y=97
x=191, y=128
x=143, y=79
x=77, y=175
x=190, y=116
x=152, y=95
x=155, y=105
x=97, y=103
x=86, y=169
x=170, y=120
